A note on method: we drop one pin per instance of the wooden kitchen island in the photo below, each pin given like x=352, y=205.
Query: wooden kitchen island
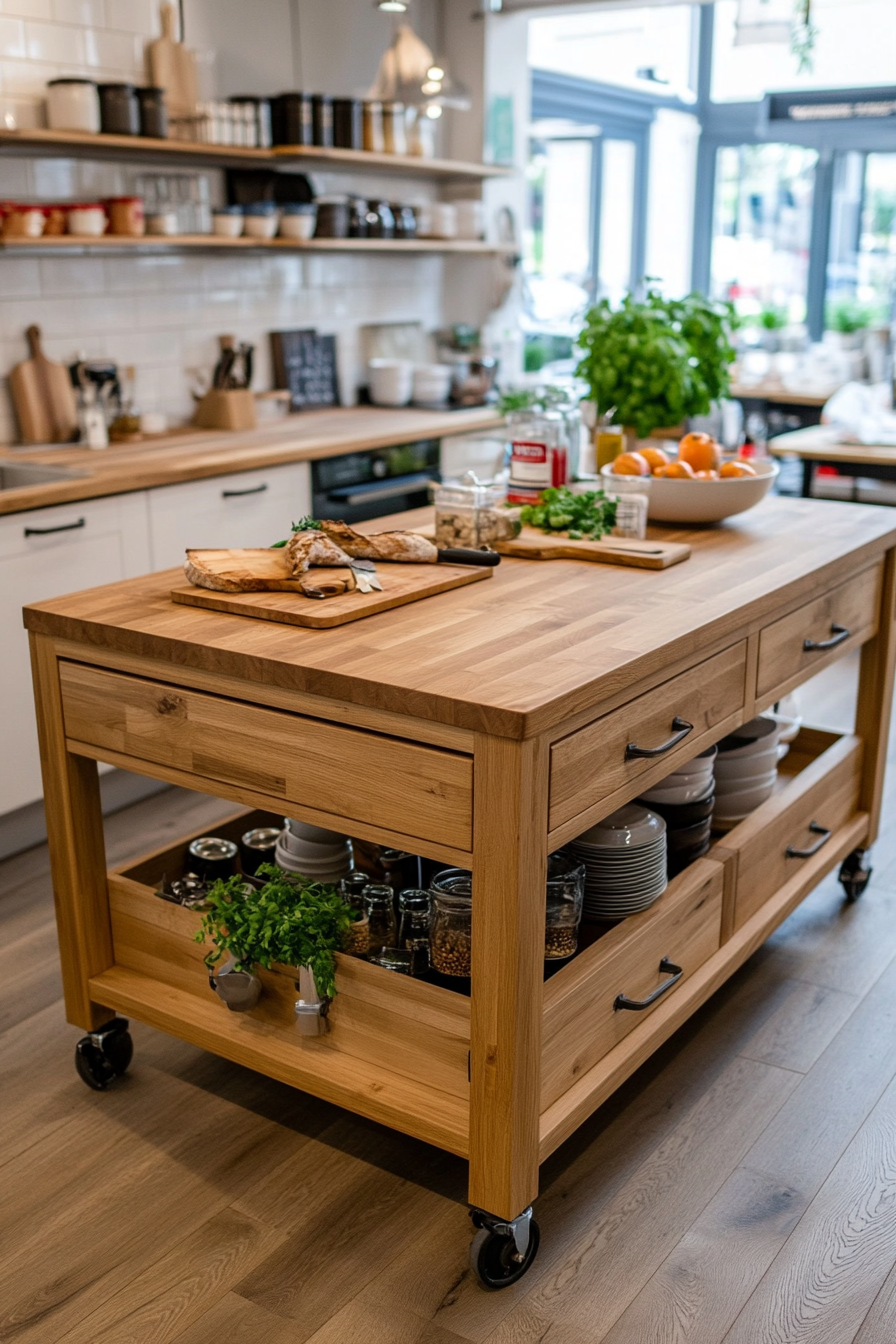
x=485, y=727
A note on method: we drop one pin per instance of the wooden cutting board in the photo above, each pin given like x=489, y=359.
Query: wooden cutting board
x=173, y=68
x=534, y=545
x=401, y=584
x=43, y=397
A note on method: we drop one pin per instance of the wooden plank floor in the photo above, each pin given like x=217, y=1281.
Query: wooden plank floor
x=740, y=1188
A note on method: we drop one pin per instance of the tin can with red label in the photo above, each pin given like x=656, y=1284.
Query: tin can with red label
x=538, y=455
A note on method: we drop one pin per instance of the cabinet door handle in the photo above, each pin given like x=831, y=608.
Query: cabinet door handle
x=63, y=527
x=838, y=634
x=683, y=728
x=824, y=837
x=667, y=967
x=253, y=490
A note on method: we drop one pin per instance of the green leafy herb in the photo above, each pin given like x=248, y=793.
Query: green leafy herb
x=306, y=524
x=585, y=517
x=290, y=920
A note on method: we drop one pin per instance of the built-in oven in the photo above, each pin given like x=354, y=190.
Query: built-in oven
x=357, y=486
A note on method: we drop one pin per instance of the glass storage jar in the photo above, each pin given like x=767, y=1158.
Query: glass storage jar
x=563, y=913
x=380, y=910
x=470, y=513
x=539, y=453
x=450, y=925
x=413, y=926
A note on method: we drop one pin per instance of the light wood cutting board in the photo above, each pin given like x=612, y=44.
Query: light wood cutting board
x=401, y=584
x=173, y=68
x=43, y=397
x=534, y=545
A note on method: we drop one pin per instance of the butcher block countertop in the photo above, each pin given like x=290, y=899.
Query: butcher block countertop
x=542, y=643
x=196, y=453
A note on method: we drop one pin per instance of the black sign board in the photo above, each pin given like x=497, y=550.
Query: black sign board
x=813, y=105
x=305, y=363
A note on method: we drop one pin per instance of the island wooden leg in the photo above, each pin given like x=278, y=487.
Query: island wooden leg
x=510, y=797
x=875, y=698
x=77, y=849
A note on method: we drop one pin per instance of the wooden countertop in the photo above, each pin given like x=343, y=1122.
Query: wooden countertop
x=533, y=647
x=197, y=453
x=824, y=443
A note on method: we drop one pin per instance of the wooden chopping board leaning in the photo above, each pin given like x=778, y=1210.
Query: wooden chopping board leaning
x=43, y=397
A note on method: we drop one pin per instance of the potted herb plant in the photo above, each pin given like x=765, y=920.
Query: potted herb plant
x=289, y=920
x=847, y=320
x=654, y=362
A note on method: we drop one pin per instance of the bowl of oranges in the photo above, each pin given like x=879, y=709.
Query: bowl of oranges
x=699, y=484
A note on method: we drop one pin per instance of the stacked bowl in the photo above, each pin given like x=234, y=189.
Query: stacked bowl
x=323, y=856
x=625, y=863
x=685, y=801
x=746, y=770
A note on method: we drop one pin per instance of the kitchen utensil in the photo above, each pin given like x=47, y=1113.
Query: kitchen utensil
x=534, y=545
x=43, y=396
x=173, y=67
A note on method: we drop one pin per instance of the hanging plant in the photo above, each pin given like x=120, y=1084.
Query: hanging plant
x=803, y=34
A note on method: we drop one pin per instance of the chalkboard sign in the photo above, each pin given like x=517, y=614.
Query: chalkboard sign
x=305, y=363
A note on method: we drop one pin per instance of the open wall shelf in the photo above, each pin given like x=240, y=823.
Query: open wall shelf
x=116, y=245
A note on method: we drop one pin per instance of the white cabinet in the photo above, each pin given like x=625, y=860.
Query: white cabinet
x=43, y=554
x=247, y=508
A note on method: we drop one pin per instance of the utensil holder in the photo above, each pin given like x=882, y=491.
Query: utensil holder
x=226, y=408
x=311, y=1008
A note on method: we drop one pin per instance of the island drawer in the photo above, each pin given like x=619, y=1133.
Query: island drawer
x=812, y=636
x=581, y=1021
x=276, y=758
x=596, y=762
x=817, y=793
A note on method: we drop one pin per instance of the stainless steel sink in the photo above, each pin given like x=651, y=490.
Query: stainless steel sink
x=20, y=475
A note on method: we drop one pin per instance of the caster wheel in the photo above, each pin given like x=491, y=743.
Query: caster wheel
x=104, y=1055
x=495, y=1259
x=854, y=876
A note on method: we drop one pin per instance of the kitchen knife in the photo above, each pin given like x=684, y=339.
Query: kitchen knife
x=459, y=556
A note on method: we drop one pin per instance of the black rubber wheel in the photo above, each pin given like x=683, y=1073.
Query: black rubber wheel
x=494, y=1257
x=854, y=886
x=854, y=877
x=92, y=1065
x=105, y=1056
x=119, y=1050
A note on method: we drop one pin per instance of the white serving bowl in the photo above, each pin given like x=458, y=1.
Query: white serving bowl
x=330, y=872
x=676, y=794
x=688, y=775
x=316, y=835
x=760, y=763
x=306, y=849
x=743, y=783
x=738, y=804
x=686, y=502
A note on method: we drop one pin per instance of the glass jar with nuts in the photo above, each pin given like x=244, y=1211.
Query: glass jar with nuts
x=449, y=935
x=563, y=913
x=470, y=514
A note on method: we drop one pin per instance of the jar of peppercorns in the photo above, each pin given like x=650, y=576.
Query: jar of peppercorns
x=449, y=934
x=563, y=912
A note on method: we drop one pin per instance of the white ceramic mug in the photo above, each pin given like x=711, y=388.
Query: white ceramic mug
x=470, y=219
x=390, y=381
x=444, y=219
x=431, y=383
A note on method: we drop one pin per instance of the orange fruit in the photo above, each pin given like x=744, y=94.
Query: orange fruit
x=736, y=469
x=707, y=475
x=700, y=451
x=630, y=464
x=654, y=457
x=679, y=471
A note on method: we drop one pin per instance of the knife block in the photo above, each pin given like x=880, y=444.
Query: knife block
x=226, y=408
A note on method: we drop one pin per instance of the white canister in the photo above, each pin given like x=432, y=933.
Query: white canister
x=470, y=219
x=228, y=223
x=260, y=226
x=86, y=221
x=163, y=224
x=73, y=105
x=431, y=384
x=297, y=225
x=444, y=219
x=390, y=381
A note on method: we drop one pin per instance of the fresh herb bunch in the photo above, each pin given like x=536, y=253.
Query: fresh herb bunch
x=306, y=524
x=588, y=516
x=656, y=361
x=290, y=920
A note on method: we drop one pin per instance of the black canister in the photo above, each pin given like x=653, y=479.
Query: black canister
x=332, y=217
x=322, y=119
x=348, y=123
x=258, y=847
x=119, y=109
x=405, y=221
x=291, y=119
x=153, y=112
x=382, y=220
x=357, y=219
x=211, y=857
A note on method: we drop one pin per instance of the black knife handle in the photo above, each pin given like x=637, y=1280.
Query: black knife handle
x=458, y=556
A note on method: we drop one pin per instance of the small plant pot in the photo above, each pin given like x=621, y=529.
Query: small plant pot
x=240, y=990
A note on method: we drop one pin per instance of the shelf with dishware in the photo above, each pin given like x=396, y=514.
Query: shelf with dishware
x=139, y=148
x=116, y=244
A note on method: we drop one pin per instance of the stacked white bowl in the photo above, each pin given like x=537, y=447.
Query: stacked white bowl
x=746, y=770
x=324, y=856
x=690, y=783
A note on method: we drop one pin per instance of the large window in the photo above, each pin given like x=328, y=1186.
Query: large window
x=861, y=271
x=649, y=49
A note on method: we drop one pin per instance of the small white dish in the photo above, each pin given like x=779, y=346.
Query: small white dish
x=675, y=795
x=628, y=828
x=743, y=801
x=316, y=834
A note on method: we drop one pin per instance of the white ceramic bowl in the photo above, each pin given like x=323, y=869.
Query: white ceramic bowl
x=688, y=774
x=731, y=805
x=756, y=745
x=260, y=226
x=390, y=381
x=306, y=849
x=628, y=828
x=685, y=502
x=330, y=872
x=760, y=763
x=744, y=783
x=298, y=226
x=316, y=834
x=675, y=795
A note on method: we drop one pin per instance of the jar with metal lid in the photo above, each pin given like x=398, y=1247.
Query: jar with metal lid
x=211, y=857
x=258, y=846
x=348, y=123
x=395, y=137
x=471, y=513
x=352, y=888
x=73, y=105
x=119, y=109
x=332, y=217
x=563, y=914
x=372, y=120
x=291, y=119
x=322, y=119
x=153, y=112
x=380, y=909
x=414, y=910
x=451, y=922
x=539, y=453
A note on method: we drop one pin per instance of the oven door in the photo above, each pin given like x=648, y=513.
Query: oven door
x=358, y=486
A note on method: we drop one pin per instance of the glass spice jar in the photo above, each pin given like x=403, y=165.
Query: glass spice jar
x=413, y=926
x=451, y=923
x=357, y=943
x=380, y=910
x=563, y=913
x=351, y=888
x=470, y=513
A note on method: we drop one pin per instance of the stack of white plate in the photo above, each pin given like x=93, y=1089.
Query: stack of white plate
x=324, y=856
x=746, y=770
x=625, y=863
x=690, y=783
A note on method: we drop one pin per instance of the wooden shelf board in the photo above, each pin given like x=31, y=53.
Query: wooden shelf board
x=77, y=144
x=148, y=245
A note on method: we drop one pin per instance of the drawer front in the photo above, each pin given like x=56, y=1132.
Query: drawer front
x=826, y=793
x=592, y=764
x=424, y=792
x=581, y=1023
x=784, y=659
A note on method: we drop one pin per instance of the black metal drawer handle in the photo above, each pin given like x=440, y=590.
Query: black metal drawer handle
x=682, y=729
x=253, y=490
x=838, y=634
x=667, y=967
x=824, y=836
x=63, y=527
